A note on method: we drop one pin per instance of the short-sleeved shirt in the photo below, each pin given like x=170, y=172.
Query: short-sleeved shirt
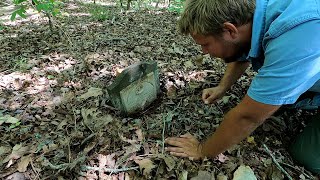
x=285, y=50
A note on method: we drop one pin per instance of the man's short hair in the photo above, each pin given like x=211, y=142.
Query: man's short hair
x=206, y=17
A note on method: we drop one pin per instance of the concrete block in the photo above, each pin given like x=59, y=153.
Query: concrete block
x=135, y=87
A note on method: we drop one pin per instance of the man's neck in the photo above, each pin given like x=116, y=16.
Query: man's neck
x=246, y=33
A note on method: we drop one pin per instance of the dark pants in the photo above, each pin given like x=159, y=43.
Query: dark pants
x=306, y=147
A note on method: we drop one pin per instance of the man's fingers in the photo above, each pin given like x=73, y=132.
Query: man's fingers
x=205, y=95
x=211, y=99
x=175, y=141
x=188, y=135
x=179, y=154
x=175, y=149
x=208, y=98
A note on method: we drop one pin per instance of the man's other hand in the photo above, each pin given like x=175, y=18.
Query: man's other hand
x=185, y=146
x=211, y=95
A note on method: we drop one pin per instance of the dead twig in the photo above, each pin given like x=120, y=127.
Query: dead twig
x=34, y=170
x=276, y=162
x=167, y=118
x=64, y=166
x=108, y=170
x=163, y=131
x=298, y=170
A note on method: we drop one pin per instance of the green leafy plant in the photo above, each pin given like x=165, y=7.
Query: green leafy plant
x=2, y=27
x=50, y=77
x=48, y=7
x=12, y=126
x=20, y=64
x=176, y=6
x=99, y=12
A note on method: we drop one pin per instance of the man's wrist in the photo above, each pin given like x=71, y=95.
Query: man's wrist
x=223, y=88
x=200, y=150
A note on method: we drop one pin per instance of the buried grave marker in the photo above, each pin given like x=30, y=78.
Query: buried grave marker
x=135, y=87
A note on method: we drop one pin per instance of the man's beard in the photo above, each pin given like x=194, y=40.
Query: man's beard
x=241, y=50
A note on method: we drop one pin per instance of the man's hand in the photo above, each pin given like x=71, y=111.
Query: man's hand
x=211, y=95
x=185, y=146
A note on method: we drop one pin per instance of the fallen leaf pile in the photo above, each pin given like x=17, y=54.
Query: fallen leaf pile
x=57, y=122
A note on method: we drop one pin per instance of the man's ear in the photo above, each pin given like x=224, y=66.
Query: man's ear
x=230, y=31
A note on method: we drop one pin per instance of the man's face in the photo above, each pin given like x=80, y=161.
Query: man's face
x=219, y=47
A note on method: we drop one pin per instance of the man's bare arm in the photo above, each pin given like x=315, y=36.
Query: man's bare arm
x=232, y=74
x=238, y=123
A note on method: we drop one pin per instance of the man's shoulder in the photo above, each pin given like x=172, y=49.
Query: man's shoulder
x=281, y=16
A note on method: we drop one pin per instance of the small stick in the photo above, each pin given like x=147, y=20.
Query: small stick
x=163, y=131
x=164, y=128
x=298, y=170
x=276, y=162
x=209, y=71
x=108, y=170
x=35, y=171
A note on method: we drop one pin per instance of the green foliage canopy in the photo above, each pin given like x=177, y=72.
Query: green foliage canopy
x=50, y=7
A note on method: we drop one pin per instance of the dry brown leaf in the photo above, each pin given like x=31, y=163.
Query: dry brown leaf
x=110, y=161
x=16, y=176
x=170, y=162
x=140, y=135
x=131, y=141
x=204, y=175
x=221, y=176
x=188, y=64
x=92, y=92
x=8, y=119
x=102, y=160
x=17, y=152
x=4, y=150
x=146, y=165
x=244, y=172
x=183, y=175
x=171, y=89
x=23, y=164
x=222, y=158
x=199, y=60
x=118, y=71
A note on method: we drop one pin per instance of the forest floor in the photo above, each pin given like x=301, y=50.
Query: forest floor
x=56, y=121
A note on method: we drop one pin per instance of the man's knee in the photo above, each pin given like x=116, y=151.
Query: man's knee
x=306, y=148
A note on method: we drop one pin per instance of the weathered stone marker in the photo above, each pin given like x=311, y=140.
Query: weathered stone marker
x=135, y=87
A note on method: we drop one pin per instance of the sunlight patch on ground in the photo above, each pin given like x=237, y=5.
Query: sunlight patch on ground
x=37, y=85
x=17, y=81
x=72, y=6
x=78, y=14
x=60, y=65
x=107, y=3
x=38, y=79
x=5, y=17
x=99, y=65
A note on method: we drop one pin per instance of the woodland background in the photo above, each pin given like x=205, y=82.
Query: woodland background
x=56, y=121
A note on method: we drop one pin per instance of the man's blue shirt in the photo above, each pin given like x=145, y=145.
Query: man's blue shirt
x=285, y=50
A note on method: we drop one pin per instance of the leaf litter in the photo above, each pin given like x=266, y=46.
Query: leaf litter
x=56, y=118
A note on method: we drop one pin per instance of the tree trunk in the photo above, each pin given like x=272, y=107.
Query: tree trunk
x=139, y=4
x=167, y=2
x=50, y=21
x=157, y=5
x=121, y=3
x=128, y=4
